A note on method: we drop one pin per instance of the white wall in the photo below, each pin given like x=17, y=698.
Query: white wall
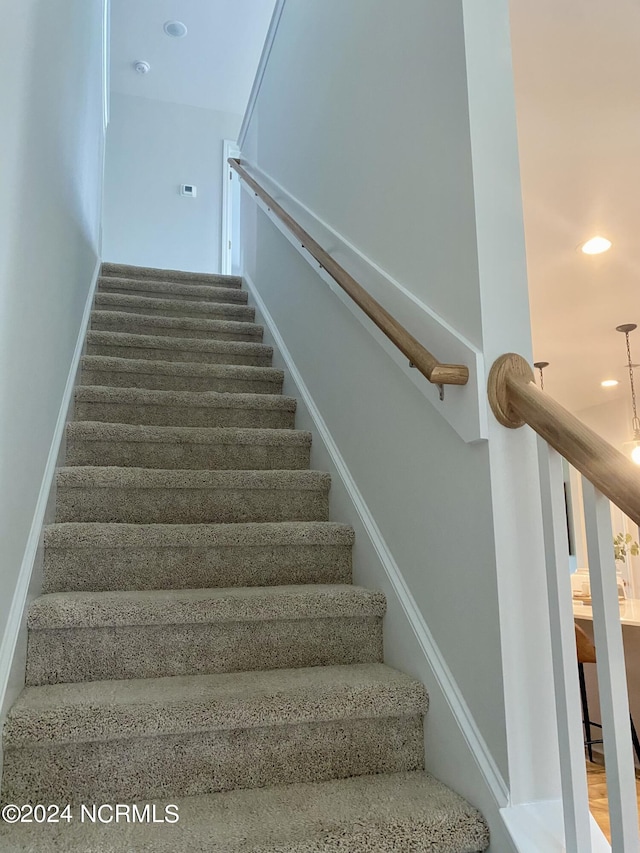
x=408, y=164
x=51, y=151
x=152, y=148
x=397, y=130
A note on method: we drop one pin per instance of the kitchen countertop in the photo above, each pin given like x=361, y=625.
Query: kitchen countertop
x=629, y=611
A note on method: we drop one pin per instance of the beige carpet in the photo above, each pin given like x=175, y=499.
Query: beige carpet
x=199, y=642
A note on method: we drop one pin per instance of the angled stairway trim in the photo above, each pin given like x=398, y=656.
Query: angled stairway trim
x=17, y=612
x=441, y=672
x=262, y=67
x=464, y=408
x=540, y=826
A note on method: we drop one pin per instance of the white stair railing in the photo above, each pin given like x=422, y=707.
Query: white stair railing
x=607, y=476
x=612, y=678
x=573, y=773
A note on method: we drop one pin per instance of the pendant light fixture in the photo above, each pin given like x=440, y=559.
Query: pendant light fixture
x=626, y=328
x=541, y=366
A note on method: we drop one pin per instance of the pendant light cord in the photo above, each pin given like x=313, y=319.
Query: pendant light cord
x=636, y=422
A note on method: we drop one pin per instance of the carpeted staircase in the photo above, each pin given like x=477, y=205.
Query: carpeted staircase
x=199, y=641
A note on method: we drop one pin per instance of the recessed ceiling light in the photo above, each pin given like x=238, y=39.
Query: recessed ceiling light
x=609, y=383
x=175, y=29
x=596, y=245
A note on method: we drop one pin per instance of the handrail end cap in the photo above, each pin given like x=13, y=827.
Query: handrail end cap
x=449, y=374
x=511, y=365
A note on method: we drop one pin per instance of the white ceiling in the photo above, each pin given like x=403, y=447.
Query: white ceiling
x=213, y=66
x=577, y=73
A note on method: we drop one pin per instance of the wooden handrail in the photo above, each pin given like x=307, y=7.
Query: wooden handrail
x=516, y=399
x=419, y=357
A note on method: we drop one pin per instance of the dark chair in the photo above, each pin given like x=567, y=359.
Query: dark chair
x=587, y=654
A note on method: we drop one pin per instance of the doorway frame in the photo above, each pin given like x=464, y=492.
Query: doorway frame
x=229, y=210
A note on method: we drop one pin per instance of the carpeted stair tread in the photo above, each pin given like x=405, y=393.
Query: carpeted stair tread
x=173, y=368
x=181, y=327
x=166, y=289
x=195, y=606
x=148, y=496
x=91, y=431
x=183, y=408
x=197, y=735
x=184, y=399
x=95, y=443
x=385, y=813
x=191, y=556
x=249, y=729
x=100, y=710
x=178, y=375
x=110, y=478
x=165, y=348
x=96, y=636
x=172, y=307
x=90, y=536
x=129, y=271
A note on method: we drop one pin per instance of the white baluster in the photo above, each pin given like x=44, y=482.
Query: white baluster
x=612, y=679
x=573, y=772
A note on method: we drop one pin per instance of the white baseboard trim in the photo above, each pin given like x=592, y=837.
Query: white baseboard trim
x=463, y=407
x=17, y=614
x=443, y=675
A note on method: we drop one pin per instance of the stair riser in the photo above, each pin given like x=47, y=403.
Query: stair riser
x=115, y=413
x=104, y=569
x=168, y=382
x=154, y=651
x=177, y=455
x=179, y=765
x=149, y=274
x=177, y=355
x=181, y=290
x=135, y=326
x=196, y=310
x=189, y=506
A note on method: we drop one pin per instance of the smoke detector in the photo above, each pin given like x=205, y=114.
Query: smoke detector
x=175, y=29
x=141, y=66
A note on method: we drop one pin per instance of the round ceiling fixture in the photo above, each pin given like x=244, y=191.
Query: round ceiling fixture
x=609, y=383
x=175, y=29
x=596, y=245
x=141, y=66
x=540, y=365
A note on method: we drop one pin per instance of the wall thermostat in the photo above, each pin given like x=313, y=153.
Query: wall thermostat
x=188, y=190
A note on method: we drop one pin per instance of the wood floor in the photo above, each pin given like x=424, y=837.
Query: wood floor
x=598, y=803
